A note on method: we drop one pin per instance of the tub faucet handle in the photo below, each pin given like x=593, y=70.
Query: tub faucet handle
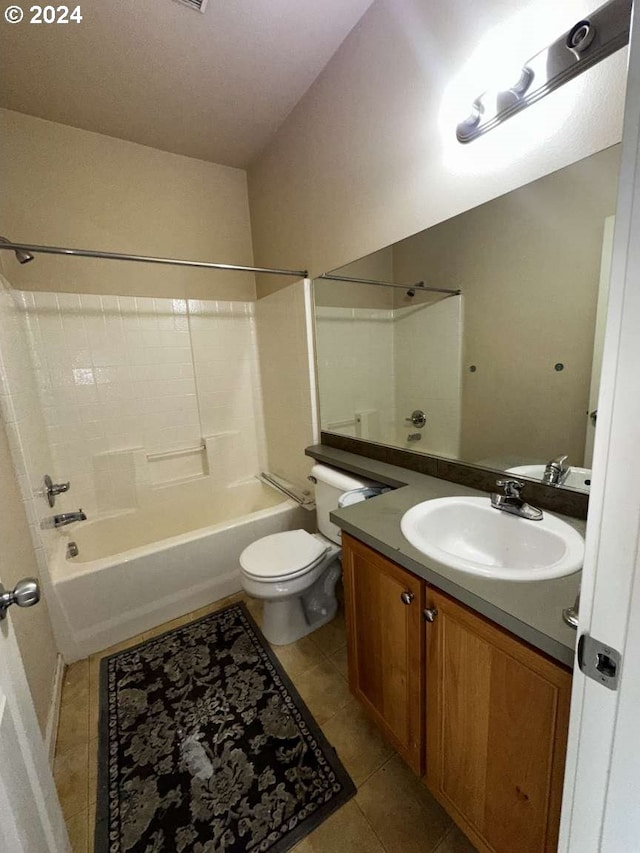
x=52, y=490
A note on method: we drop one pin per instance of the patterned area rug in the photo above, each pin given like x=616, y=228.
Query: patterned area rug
x=206, y=746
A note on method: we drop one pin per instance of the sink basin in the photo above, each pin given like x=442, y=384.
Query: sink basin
x=577, y=478
x=469, y=535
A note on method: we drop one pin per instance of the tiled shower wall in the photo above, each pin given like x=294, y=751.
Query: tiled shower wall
x=427, y=344
x=356, y=371
x=377, y=365
x=22, y=416
x=122, y=374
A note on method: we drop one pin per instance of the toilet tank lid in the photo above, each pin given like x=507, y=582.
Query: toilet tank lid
x=281, y=554
x=338, y=479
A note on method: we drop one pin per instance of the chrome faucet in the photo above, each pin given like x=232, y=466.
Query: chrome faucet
x=68, y=518
x=512, y=502
x=555, y=472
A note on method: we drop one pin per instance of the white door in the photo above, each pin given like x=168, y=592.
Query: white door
x=602, y=785
x=31, y=819
x=598, y=340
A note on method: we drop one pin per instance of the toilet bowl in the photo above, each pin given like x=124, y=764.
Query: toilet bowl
x=295, y=572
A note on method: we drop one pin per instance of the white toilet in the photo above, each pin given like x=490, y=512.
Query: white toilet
x=295, y=572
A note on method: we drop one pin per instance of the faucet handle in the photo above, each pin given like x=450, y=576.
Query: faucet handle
x=512, y=488
x=52, y=490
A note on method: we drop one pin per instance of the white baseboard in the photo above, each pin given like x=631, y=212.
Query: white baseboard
x=54, y=710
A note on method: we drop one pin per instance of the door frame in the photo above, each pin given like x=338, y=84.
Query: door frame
x=30, y=811
x=603, y=759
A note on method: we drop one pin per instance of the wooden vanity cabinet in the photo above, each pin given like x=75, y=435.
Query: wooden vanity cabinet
x=483, y=712
x=496, y=735
x=385, y=636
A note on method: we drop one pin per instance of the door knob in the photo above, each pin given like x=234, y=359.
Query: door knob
x=407, y=597
x=25, y=594
x=430, y=614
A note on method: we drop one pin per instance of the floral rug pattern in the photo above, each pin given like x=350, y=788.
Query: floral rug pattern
x=205, y=746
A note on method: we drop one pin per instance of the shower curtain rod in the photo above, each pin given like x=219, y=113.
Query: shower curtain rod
x=143, y=259
x=420, y=285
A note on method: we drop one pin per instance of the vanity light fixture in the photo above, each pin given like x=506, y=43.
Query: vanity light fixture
x=584, y=45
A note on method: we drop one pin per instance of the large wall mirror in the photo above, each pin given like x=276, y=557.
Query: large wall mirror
x=502, y=357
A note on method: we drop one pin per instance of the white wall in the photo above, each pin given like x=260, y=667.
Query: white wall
x=285, y=333
x=369, y=155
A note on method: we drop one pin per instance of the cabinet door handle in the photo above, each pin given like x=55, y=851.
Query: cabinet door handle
x=430, y=614
x=407, y=597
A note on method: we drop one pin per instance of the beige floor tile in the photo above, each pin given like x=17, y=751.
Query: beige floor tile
x=77, y=829
x=332, y=636
x=360, y=746
x=255, y=607
x=73, y=725
x=75, y=683
x=298, y=657
x=339, y=660
x=455, y=842
x=70, y=771
x=94, y=703
x=347, y=830
x=92, y=780
x=91, y=827
x=323, y=689
x=401, y=811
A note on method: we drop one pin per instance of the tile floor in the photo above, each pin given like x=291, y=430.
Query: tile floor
x=392, y=811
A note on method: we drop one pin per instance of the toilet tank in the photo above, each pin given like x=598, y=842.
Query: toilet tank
x=330, y=484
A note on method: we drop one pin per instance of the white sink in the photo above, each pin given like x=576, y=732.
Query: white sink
x=469, y=535
x=577, y=478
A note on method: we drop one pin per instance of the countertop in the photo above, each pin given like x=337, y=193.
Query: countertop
x=531, y=611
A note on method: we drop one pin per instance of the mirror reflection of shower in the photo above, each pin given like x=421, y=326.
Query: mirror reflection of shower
x=22, y=257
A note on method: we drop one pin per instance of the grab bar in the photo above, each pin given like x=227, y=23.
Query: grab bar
x=339, y=424
x=304, y=500
x=167, y=454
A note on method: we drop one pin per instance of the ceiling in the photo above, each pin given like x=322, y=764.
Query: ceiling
x=215, y=86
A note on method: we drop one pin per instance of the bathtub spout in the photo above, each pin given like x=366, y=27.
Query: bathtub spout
x=68, y=518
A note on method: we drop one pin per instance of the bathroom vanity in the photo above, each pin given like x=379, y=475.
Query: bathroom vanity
x=481, y=713
x=469, y=678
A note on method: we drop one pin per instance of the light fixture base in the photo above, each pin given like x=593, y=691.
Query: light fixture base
x=588, y=42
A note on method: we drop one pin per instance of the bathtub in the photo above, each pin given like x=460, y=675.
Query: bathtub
x=139, y=568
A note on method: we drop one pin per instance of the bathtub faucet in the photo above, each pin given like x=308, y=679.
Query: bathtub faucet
x=68, y=518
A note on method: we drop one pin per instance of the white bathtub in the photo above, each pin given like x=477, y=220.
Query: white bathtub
x=140, y=568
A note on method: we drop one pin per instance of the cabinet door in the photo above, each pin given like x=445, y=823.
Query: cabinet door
x=383, y=605
x=497, y=719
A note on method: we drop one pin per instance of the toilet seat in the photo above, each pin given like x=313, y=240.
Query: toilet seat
x=283, y=556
